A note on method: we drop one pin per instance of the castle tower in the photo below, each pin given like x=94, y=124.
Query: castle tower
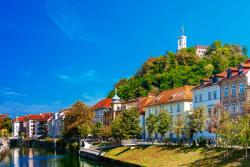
x=182, y=40
x=116, y=102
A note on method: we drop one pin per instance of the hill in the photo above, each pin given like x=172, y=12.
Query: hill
x=177, y=69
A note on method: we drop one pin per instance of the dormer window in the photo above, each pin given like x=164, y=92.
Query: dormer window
x=240, y=70
x=202, y=82
x=229, y=73
x=215, y=79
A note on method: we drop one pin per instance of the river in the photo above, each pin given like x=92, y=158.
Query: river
x=39, y=157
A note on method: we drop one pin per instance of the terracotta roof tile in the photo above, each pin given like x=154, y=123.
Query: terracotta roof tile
x=143, y=102
x=201, y=47
x=177, y=94
x=105, y=103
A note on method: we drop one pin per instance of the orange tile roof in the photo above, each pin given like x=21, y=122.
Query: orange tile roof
x=143, y=102
x=201, y=47
x=105, y=103
x=19, y=119
x=176, y=94
x=38, y=117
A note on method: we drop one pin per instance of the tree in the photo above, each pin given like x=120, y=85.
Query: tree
x=96, y=129
x=4, y=133
x=151, y=125
x=179, y=126
x=126, y=126
x=243, y=135
x=177, y=69
x=244, y=128
x=116, y=131
x=106, y=132
x=84, y=130
x=6, y=124
x=197, y=119
x=227, y=129
x=77, y=115
x=164, y=123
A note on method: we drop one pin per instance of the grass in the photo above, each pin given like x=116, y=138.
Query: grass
x=171, y=156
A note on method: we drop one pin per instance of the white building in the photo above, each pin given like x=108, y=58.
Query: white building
x=182, y=40
x=100, y=108
x=178, y=102
x=56, y=124
x=200, y=50
x=207, y=95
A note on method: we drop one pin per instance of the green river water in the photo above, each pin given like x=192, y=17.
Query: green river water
x=39, y=157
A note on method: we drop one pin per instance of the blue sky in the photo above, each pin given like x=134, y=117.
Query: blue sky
x=55, y=52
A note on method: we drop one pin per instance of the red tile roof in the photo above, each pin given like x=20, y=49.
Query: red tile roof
x=19, y=119
x=201, y=47
x=38, y=117
x=143, y=102
x=105, y=103
x=176, y=94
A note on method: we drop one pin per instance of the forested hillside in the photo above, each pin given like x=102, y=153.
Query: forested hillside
x=177, y=69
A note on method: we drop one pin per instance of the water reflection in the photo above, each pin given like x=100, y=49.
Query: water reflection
x=31, y=157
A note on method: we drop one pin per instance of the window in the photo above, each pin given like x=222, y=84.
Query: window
x=233, y=90
x=209, y=95
x=210, y=112
x=226, y=91
x=215, y=94
x=178, y=108
x=240, y=108
x=196, y=99
x=200, y=97
x=171, y=109
x=233, y=110
x=242, y=88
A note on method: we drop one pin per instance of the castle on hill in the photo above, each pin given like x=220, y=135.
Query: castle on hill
x=200, y=50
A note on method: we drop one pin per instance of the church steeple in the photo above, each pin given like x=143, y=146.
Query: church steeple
x=182, y=40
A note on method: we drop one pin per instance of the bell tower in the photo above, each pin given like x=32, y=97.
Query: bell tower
x=182, y=40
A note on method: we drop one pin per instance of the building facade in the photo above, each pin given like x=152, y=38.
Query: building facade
x=100, y=108
x=200, y=50
x=207, y=95
x=235, y=90
x=116, y=109
x=178, y=102
x=32, y=126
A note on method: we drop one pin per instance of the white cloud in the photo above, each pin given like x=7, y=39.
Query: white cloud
x=93, y=98
x=8, y=92
x=74, y=76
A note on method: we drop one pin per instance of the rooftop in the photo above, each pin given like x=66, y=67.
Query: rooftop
x=173, y=95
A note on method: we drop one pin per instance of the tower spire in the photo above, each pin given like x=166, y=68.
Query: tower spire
x=182, y=30
x=182, y=39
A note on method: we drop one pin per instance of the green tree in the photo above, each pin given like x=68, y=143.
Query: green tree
x=164, y=123
x=197, y=120
x=179, y=126
x=106, y=132
x=6, y=124
x=126, y=126
x=227, y=129
x=177, y=69
x=152, y=125
x=4, y=133
x=77, y=115
x=96, y=129
x=83, y=130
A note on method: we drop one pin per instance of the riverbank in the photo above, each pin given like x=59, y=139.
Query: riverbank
x=171, y=156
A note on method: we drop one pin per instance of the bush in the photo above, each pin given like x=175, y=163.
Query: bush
x=73, y=147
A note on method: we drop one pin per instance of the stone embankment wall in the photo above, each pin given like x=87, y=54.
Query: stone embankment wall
x=99, y=155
